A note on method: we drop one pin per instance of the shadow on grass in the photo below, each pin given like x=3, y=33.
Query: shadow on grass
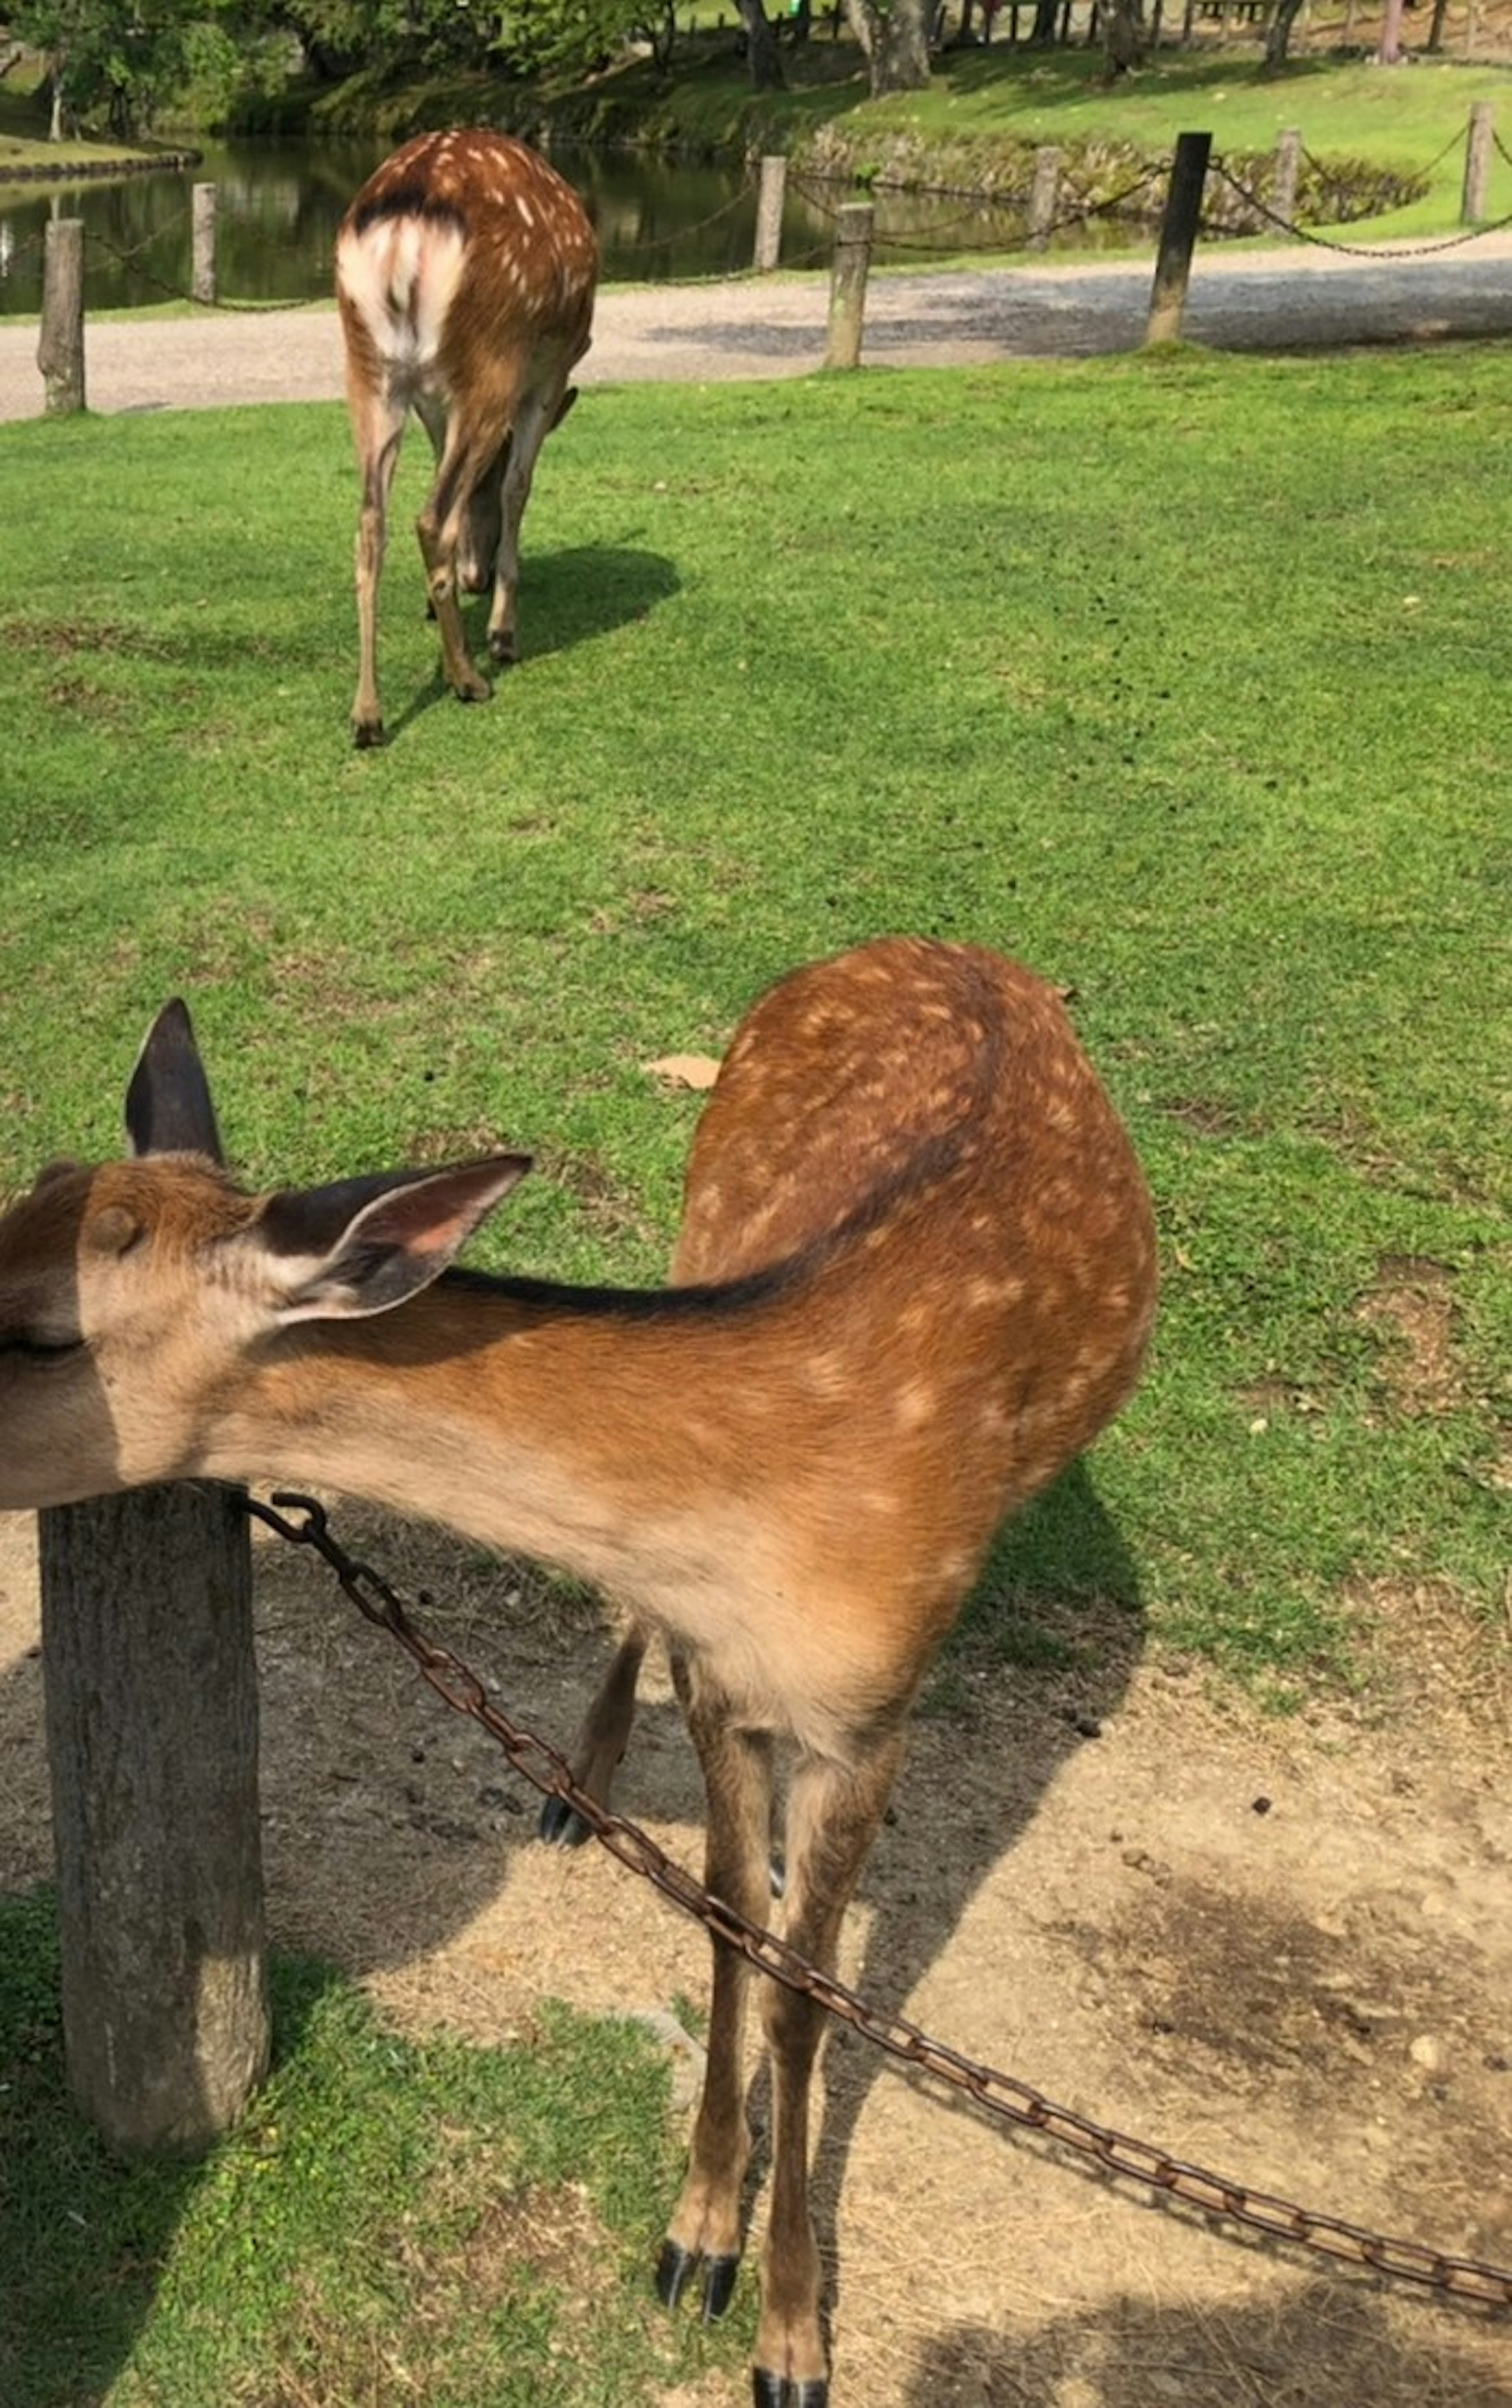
x=84, y=2233
x=566, y=599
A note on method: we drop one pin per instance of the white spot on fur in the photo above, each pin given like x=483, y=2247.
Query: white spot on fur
x=914, y=1404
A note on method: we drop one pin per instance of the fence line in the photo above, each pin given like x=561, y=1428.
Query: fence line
x=61, y=344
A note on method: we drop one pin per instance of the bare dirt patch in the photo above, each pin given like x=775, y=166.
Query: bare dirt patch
x=1284, y=1950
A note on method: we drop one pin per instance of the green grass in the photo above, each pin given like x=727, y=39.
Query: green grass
x=1179, y=677
x=393, y=2218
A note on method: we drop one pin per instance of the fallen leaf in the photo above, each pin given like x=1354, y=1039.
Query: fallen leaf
x=685, y=1069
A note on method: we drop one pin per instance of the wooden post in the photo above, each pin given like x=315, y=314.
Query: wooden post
x=847, y=283
x=770, y=195
x=1178, y=235
x=151, y=1729
x=1477, y=162
x=60, y=341
x=1042, y=193
x=202, y=279
x=1287, y=168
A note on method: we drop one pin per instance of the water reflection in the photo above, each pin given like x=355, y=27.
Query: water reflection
x=280, y=204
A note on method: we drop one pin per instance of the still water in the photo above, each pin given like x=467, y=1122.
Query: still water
x=280, y=204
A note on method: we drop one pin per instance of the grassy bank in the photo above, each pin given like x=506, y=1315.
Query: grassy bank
x=1177, y=677
x=986, y=108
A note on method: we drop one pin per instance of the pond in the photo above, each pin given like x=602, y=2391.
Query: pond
x=280, y=204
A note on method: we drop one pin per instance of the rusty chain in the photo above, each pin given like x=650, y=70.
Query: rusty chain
x=1000, y=2095
x=1355, y=249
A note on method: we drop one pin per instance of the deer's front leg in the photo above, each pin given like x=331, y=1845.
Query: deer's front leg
x=704, y=2235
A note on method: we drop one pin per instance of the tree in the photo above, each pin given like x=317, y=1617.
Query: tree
x=1123, y=35
x=1278, y=33
x=894, y=40
x=123, y=59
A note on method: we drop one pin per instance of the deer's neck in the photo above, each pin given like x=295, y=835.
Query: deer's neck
x=611, y=1437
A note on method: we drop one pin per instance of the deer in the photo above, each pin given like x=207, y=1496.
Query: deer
x=465, y=275
x=915, y=1277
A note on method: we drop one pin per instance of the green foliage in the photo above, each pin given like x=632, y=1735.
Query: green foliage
x=119, y=65
x=1178, y=678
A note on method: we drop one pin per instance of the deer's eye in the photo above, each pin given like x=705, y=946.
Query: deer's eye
x=38, y=1345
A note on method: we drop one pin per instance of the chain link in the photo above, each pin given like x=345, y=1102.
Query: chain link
x=1000, y=2095
x=1357, y=249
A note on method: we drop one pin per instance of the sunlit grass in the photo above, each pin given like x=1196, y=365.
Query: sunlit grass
x=1180, y=678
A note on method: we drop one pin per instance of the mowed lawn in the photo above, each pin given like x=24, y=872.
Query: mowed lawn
x=1182, y=677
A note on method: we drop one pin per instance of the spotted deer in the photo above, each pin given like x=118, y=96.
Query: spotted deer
x=915, y=1277
x=465, y=275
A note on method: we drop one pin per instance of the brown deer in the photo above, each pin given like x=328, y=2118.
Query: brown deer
x=465, y=275
x=917, y=1276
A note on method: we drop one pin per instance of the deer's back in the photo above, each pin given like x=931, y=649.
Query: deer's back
x=463, y=246
x=918, y=1124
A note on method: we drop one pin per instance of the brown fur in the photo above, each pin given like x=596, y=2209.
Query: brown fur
x=466, y=269
x=915, y=1277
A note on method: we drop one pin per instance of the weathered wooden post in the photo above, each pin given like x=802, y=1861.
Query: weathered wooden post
x=1287, y=170
x=1479, y=140
x=1178, y=235
x=60, y=341
x=151, y=1728
x=1042, y=195
x=202, y=278
x=770, y=193
x=847, y=283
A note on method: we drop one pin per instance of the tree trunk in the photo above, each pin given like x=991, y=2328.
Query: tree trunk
x=151, y=1723
x=1123, y=35
x=895, y=43
x=761, y=52
x=1278, y=33
x=1389, y=54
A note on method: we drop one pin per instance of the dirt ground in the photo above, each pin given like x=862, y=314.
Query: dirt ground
x=1280, y=1949
x=1303, y=296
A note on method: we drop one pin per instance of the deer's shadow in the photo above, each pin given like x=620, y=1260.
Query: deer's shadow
x=567, y=598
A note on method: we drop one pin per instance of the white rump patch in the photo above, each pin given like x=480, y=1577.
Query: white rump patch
x=401, y=275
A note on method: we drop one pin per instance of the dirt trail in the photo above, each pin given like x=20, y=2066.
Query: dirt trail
x=1283, y=1950
x=1303, y=296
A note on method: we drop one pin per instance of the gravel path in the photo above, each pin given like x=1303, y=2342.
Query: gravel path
x=1302, y=296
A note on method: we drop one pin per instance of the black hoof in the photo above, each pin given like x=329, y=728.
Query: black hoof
x=560, y=1827
x=673, y=2268
x=367, y=735
x=718, y=2286
x=676, y=2268
x=501, y=649
x=771, y=2390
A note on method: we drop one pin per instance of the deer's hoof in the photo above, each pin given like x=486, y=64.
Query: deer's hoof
x=768, y=2390
x=560, y=1827
x=367, y=735
x=502, y=650
x=676, y=2268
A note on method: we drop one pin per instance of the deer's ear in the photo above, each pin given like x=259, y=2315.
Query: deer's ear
x=168, y=1107
x=341, y=1253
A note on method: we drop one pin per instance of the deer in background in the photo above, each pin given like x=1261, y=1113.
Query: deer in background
x=916, y=1277
x=465, y=275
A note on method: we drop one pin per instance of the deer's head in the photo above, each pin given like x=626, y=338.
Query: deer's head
x=135, y=1296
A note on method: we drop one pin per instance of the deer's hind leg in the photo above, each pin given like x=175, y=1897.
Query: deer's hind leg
x=600, y=1742
x=832, y=1816
x=469, y=454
